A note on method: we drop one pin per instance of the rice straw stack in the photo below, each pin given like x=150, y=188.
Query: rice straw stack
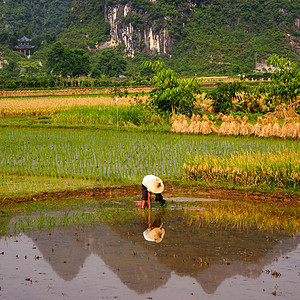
x=233, y=128
x=184, y=126
x=267, y=128
x=198, y=126
x=193, y=124
x=297, y=126
x=213, y=128
x=205, y=128
x=246, y=127
x=224, y=125
x=175, y=125
x=258, y=126
x=276, y=129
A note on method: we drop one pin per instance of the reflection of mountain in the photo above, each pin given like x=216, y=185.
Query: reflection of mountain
x=66, y=251
x=144, y=266
x=213, y=276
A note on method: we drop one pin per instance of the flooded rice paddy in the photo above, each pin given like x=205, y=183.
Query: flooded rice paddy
x=110, y=258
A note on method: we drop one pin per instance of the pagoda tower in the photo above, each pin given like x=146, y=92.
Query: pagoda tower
x=24, y=45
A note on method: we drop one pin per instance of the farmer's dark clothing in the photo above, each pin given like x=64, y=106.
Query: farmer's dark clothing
x=158, y=197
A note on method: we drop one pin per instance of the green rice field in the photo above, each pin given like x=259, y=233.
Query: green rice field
x=35, y=160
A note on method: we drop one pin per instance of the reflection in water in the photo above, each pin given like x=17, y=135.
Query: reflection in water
x=153, y=232
x=207, y=254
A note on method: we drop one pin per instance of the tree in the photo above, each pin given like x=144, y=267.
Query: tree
x=223, y=96
x=170, y=94
x=67, y=62
x=110, y=63
x=82, y=63
x=285, y=86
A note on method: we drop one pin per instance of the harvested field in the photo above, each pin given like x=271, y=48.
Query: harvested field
x=50, y=105
x=69, y=92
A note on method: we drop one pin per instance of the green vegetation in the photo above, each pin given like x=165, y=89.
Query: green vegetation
x=286, y=81
x=33, y=17
x=133, y=115
x=279, y=169
x=207, y=37
x=68, y=159
x=109, y=64
x=224, y=95
x=170, y=94
x=66, y=62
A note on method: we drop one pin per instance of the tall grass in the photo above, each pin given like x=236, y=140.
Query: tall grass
x=44, y=159
x=280, y=169
x=136, y=115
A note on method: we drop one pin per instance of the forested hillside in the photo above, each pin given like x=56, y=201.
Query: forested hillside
x=192, y=36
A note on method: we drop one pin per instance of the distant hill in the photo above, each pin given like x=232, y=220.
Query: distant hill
x=192, y=36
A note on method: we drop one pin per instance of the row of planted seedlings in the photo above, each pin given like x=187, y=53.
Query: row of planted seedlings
x=33, y=160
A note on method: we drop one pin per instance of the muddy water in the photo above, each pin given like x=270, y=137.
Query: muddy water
x=114, y=260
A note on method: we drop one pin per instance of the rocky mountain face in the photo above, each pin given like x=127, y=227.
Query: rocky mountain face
x=195, y=36
x=125, y=30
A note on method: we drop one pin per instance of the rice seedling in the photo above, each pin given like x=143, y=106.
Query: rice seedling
x=34, y=160
x=45, y=216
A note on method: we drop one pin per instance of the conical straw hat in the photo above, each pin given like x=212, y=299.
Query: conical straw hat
x=156, y=234
x=155, y=186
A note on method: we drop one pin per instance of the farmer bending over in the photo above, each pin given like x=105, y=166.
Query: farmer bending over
x=152, y=184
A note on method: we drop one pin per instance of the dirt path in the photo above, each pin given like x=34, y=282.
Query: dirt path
x=170, y=191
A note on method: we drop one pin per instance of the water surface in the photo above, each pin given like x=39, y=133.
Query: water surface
x=113, y=260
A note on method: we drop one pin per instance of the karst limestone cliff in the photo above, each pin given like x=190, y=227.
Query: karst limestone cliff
x=144, y=38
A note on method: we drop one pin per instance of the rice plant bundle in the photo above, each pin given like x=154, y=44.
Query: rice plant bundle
x=213, y=128
x=224, y=125
x=267, y=127
x=176, y=124
x=276, y=129
x=220, y=116
x=198, y=126
x=238, y=122
x=233, y=127
x=284, y=129
x=297, y=126
x=184, y=126
x=292, y=129
x=193, y=124
x=291, y=112
x=258, y=126
x=288, y=129
x=205, y=128
x=246, y=127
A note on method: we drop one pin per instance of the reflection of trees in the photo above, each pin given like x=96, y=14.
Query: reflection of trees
x=144, y=266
